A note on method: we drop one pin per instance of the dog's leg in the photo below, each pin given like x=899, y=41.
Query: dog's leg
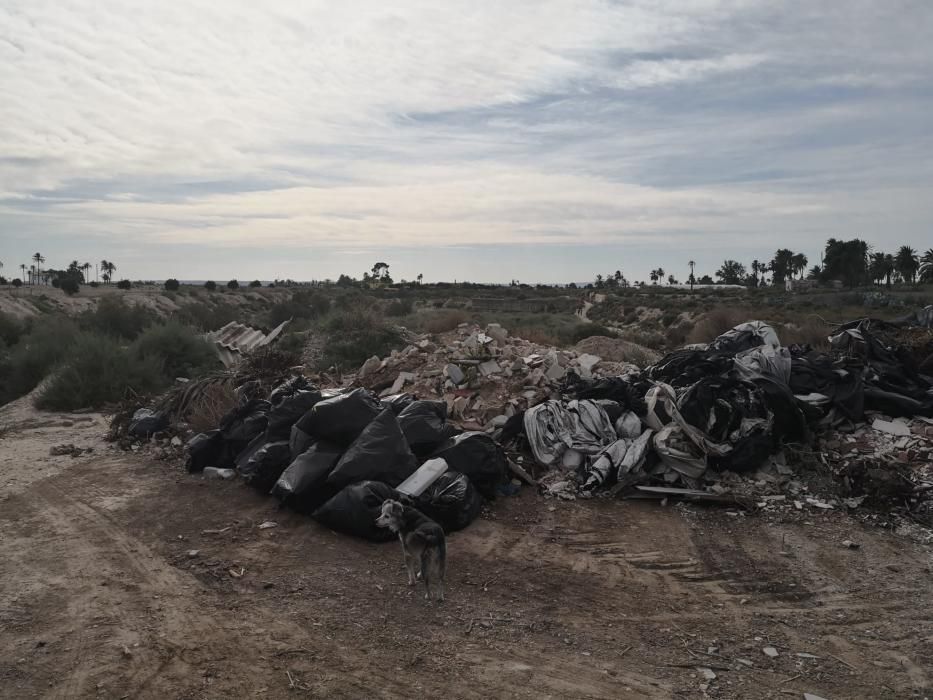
x=411, y=563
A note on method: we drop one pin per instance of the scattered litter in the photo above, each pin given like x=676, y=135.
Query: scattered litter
x=268, y=524
x=849, y=544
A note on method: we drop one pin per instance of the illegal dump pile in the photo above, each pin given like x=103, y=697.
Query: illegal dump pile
x=705, y=413
x=338, y=454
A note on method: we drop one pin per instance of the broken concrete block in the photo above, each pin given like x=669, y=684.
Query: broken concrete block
x=497, y=333
x=400, y=381
x=370, y=366
x=587, y=362
x=489, y=367
x=555, y=372
x=890, y=427
x=454, y=373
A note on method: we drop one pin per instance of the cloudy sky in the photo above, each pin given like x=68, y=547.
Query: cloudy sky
x=544, y=141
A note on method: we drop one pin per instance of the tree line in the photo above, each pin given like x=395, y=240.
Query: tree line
x=853, y=262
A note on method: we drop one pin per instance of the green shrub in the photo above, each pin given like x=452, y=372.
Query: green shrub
x=233, y=284
x=208, y=317
x=36, y=353
x=302, y=305
x=124, y=284
x=99, y=372
x=176, y=349
x=171, y=284
x=255, y=283
x=356, y=334
x=69, y=285
x=400, y=307
x=11, y=329
x=114, y=317
x=210, y=285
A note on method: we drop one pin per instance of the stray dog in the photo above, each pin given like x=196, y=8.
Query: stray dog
x=423, y=545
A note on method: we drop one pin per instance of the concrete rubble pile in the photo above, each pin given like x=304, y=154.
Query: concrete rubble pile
x=484, y=375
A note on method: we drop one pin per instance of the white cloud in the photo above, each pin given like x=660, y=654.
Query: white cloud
x=423, y=123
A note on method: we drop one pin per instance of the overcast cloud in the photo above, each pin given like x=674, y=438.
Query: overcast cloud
x=540, y=140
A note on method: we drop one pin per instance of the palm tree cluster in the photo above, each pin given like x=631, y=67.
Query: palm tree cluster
x=76, y=271
x=904, y=266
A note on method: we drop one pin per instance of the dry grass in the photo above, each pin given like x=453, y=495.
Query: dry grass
x=210, y=405
x=539, y=335
x=809, y=331
x=716, y=322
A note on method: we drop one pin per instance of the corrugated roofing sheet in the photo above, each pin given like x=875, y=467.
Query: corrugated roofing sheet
x=236, y=339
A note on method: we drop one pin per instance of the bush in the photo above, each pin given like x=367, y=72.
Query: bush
x=124, y=284
x=208, y=317
x=11, y=329
x=400, y=307
x=17, y=283
x=233, y=284
x=99, y=372
x=255, y=283
x=355, y=335
x=36, y=353
x=69, y=285
x=716, y=322
x=176, y=349
x=444, y=321
x=210, y=285
x=93, y=284
x=574, y=334
x=114, y=317
x=171, y=285
x=302, y=305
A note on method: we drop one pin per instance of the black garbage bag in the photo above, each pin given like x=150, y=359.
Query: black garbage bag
x=397, y=402
x=353, y=511
x=290, y=387
x=424, y=424
x=244, y=423
x=146, y=422
x=342, y=418
x=380, y=453
x=477, y=456
x=686, y=366
x=289, y=410
x=243, y=457
x=266, y=465
x=626, y=391
x=451, y=501
x=302, y=485
x=204, y=450
x=299, y=441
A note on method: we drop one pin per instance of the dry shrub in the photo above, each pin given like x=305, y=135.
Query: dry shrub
x=810, y=331
x=649, y=339
x=716, y=322
x=210, y=405
x=444, y=321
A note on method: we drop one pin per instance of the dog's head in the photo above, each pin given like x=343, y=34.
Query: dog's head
x=391, y=516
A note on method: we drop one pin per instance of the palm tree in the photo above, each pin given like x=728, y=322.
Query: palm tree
x=877, y=267
x=798, y=263
x=691, y=264
x=889, y=268
x=906, y=263
x=85, y=267
x=39, y=260
x=420, y=277
x=107, y=268
x=654, y=276
x=23, y=268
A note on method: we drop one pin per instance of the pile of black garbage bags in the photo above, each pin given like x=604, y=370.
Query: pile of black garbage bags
x=338, y=455
x=725, y=406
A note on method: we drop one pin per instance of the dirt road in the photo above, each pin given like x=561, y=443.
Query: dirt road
x=126, y=578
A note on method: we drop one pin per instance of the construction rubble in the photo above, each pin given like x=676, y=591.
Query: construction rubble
x=456, y=420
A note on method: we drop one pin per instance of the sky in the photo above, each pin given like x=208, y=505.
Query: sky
x=544, y=141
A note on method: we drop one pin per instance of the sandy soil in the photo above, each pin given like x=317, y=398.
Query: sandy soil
x=100, y=598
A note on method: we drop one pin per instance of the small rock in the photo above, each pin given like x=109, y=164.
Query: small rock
x=193, y=553
x=176, y=441
x=849, y=544
x=811, y=696
x=370, y=366
x=489, y=367
x=707, y=673
x=770, y=651
x=454, y=373
x=127, y=654
x=266, y=525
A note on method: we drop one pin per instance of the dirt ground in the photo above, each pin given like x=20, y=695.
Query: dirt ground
x=100, y=598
